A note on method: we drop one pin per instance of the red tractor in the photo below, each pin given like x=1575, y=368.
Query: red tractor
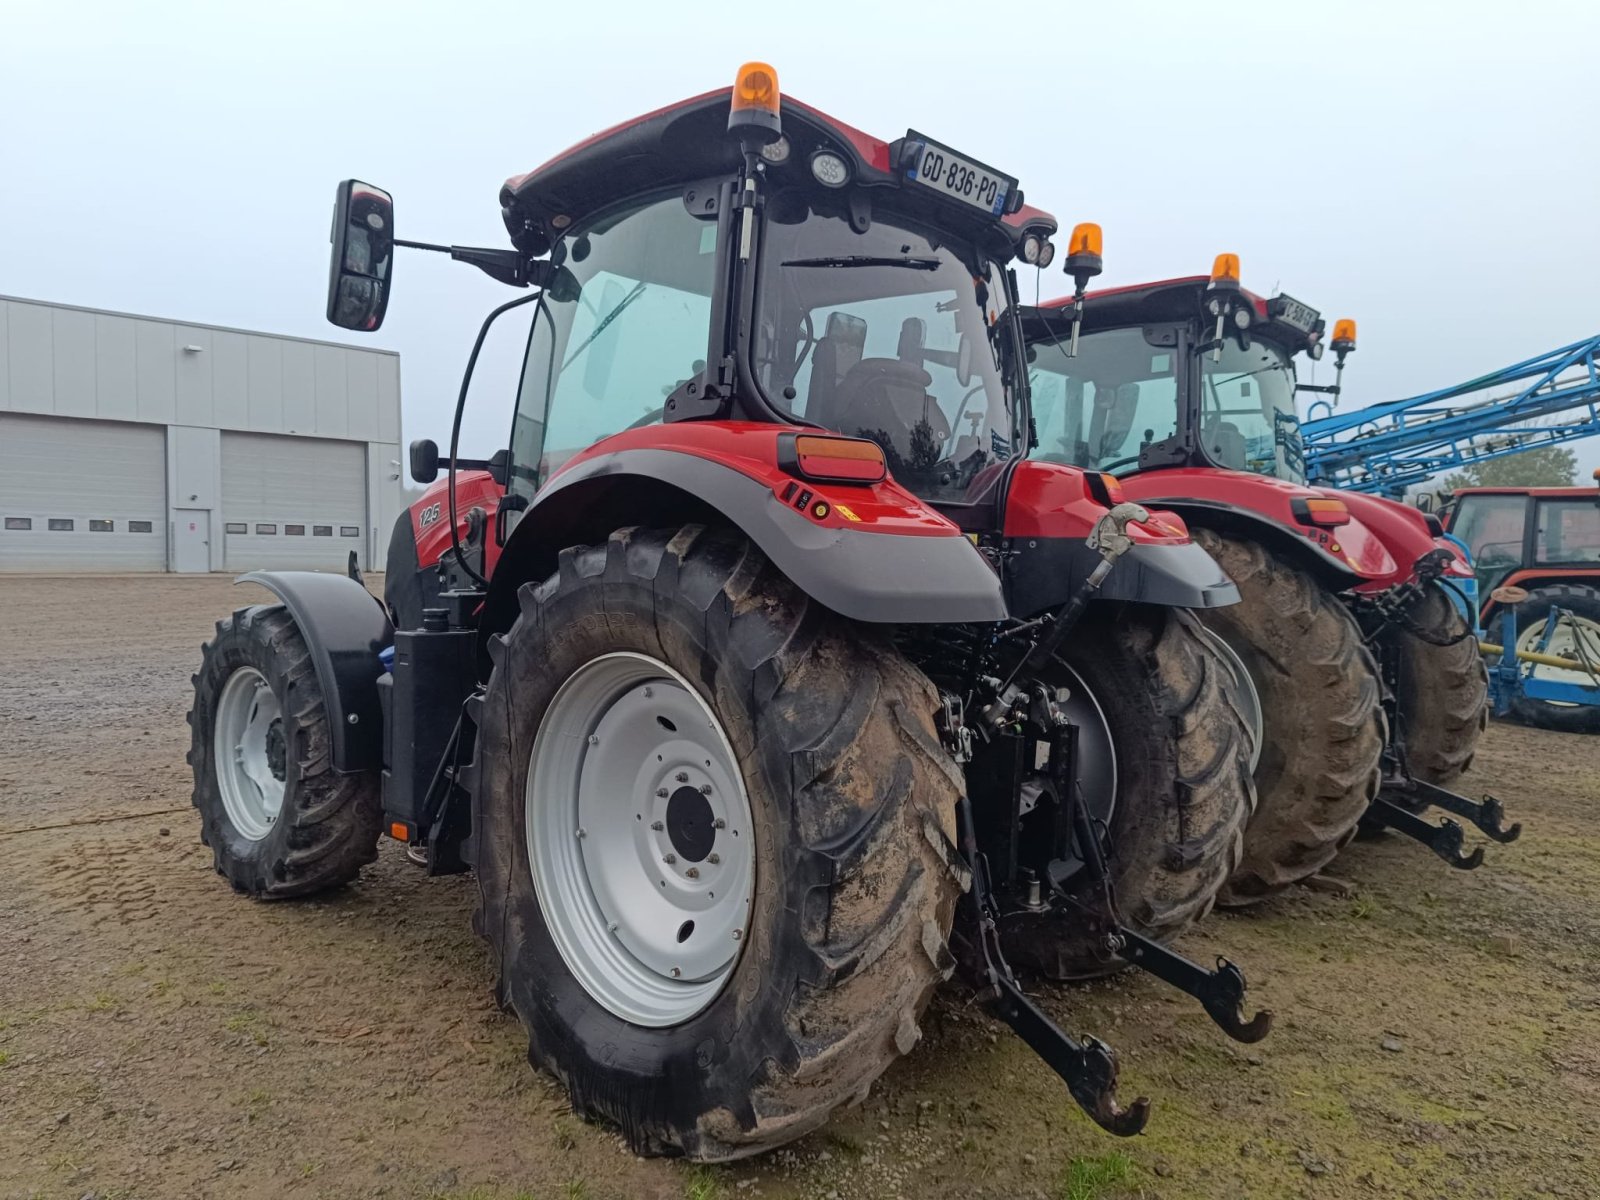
x=1365, y=683
x=761, y=679
x=1543, y=544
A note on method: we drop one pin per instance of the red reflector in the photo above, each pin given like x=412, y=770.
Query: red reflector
x=842, y=460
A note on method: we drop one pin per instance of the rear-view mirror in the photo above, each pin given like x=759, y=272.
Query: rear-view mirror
x=363, y=253
x=424, y=460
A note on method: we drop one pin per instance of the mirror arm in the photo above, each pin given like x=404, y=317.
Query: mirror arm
x=507, y=266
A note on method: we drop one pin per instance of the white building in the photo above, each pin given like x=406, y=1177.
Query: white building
x=134, y=444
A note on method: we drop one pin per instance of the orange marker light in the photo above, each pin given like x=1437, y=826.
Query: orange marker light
x=1225, y=269
x=1324, y=512
x=400, y=831
x=834, y=459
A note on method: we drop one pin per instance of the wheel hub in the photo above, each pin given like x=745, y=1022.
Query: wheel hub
x=640, y=839
x=251, y=753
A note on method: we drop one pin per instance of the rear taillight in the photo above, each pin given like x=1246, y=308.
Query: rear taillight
x=1320, y=512
x=829, y=459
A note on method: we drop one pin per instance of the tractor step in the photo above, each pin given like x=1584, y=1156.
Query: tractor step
x=1488, y=814
x=1444, y=839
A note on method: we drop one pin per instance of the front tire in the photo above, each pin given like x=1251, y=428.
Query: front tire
x=280, y=821
x=1322, y=722
x=1184, y=795
x=851, y=810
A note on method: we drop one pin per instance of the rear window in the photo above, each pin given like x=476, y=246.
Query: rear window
x=1492, y=528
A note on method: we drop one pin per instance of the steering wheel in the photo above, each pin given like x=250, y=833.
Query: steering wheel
x=1121, y=462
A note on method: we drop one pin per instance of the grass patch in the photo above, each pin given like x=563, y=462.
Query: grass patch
x=1090, y=1178
x=703, y=1185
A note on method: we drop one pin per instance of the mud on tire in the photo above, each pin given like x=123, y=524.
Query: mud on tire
x=853, y=804
x=1442, y=692
x=1323, y=723
x=328, y=826
x=1184, y=792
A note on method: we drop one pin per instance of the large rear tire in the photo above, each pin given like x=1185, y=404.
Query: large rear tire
x=1323, y=727
x=1571, y=636
x=1184, y=794
x=821, y=731
x=1442, y=692
x=279, y=819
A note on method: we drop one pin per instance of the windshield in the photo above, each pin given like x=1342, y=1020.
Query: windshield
x=896, y=335
x=1120, y=394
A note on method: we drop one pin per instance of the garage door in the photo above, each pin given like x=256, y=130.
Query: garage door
x=292, y=502
x=82, y=495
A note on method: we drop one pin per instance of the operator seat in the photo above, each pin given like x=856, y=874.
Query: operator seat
x=887, y=397
x=843, y=341
x=1226, y=444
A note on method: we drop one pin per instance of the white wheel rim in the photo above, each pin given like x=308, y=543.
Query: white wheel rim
x=640, y=839
x=1249, y=698
x=1574, y=637
x=250, y=750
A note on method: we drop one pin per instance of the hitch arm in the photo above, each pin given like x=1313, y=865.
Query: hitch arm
x=1089, y=1067
x=1489, y=815
x=1444, y=839
x=1220, y=992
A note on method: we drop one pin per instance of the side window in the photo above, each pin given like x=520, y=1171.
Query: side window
x=1492, y=526
x=1568, y=531
x=626, y=322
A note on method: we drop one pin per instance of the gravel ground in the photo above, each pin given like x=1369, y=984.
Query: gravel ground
x=1438, y=1032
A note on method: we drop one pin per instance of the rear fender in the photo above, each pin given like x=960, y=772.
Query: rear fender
x=344, y=627
x=1050, y=513
x=1406, y=533
x=1258, y=507
x=875, y=554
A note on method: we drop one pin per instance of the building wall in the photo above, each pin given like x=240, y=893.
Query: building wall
x=198, y=380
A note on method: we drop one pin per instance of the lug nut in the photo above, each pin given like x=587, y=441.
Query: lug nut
x=649, y=691
x=737, y=934
x=705, y=789
x=713, y=859
x=670, y=859
x=611, y=928
x=693, y=872
x=657, y=826
x=676, y=972
x=581, y=832
x=682, y=777
x=719, y=823
x=662, y=793
x=594, y=739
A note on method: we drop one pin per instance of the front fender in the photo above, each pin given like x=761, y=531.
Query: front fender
x=1405, y=533
x=344, y=627
x=841, y=545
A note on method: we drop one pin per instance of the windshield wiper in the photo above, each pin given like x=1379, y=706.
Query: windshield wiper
x=866, y=260
x=605, y=322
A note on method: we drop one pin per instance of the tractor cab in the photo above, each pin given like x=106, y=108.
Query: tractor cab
x=1191, y=372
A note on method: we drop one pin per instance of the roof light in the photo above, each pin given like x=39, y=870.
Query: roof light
x=1344, y=336
x=755, y=101
x=1326, y=512
x=1225, y=271
x=829, y=169
x=1085, y=240
x=832, y=459
x=776, y=152
x=1032, y=249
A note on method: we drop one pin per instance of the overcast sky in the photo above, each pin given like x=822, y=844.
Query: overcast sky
x=1429, y=169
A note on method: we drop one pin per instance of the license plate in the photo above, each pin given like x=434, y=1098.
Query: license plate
x=956, y=176
x=1290, y=311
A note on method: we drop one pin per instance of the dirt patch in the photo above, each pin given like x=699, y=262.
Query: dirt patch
x=160, y=1036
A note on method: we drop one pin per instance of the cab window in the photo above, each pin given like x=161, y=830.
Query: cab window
x=1101, y=407
x=1568, y=531
x=625, y=321
x=1492, y=527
